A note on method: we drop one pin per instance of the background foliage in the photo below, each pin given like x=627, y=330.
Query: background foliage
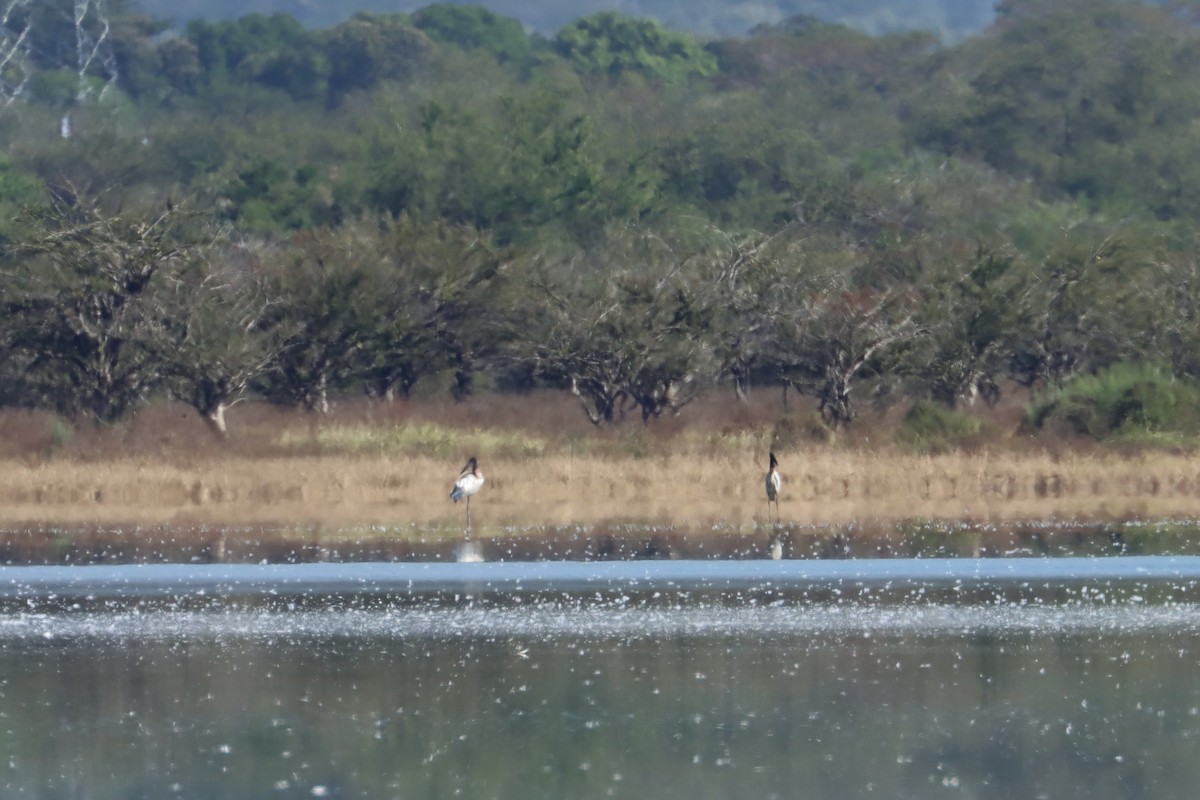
x=443, y=200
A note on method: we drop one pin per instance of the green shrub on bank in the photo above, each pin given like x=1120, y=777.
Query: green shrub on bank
x=931, y=428
x=1138, y=403
x=801, y=429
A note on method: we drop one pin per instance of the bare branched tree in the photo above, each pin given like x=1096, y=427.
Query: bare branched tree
x=1083, y=308
x=970, y=313
x=829, y=334
x=82, y=297
x=439, y=289
x=327, y=289
x=216, y=335
x=388, y=302
x=636, y=334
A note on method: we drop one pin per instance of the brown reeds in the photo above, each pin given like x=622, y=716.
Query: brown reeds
x=719, y=492
x=390, y=469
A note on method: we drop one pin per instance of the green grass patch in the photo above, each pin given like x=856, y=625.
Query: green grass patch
x=930, y=428
x=1142, y=404
x=800, y=429
x=426, y=439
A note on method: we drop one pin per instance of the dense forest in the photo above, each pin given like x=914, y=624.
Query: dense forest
x=443, y=201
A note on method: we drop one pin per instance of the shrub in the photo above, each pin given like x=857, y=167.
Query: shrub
x=1136, y=402
x=795, y=431
x=60, y=434
x=930, y=428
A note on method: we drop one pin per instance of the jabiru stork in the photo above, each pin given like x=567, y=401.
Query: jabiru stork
x=470, y=481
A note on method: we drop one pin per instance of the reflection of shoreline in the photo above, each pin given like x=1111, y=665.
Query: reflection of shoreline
x=606, y=541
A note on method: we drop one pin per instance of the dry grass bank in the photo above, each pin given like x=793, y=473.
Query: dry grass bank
x=390, y=468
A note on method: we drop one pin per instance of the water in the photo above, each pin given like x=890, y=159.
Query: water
x=1170, y=578
x=1024, y=678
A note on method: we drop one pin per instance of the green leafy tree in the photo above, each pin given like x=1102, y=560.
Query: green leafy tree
x=608, y=43
x=231, y=50
x=525, y=165
x=179, y=62
x=18, y=189
x=301, y=71
x=475, y=28
x=267, y=196
x=370, y=48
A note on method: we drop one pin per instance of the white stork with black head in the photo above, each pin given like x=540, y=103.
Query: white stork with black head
x=470, y=481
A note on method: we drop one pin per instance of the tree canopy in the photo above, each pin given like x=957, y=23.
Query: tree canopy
x=621, y=210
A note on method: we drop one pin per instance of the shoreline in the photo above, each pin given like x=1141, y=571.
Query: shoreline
x=338, y=500
x=830, y=487
x=376, y=478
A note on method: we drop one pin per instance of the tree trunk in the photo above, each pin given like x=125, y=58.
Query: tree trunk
x=215, y=419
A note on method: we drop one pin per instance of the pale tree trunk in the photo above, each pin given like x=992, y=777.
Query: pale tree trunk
x=318, y=398
x=215, y=420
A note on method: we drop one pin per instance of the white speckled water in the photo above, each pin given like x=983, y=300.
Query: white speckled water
x=842, y=679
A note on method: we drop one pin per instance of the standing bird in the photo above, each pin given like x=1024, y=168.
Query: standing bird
x=470, y=481
x=774, y=484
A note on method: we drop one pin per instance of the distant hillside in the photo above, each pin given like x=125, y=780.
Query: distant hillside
x=951, y=19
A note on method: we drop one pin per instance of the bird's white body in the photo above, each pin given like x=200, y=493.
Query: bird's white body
x=774, y=485
x=467, y=485
x=470, y=481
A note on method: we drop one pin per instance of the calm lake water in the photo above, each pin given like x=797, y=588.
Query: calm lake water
x=1001, y=678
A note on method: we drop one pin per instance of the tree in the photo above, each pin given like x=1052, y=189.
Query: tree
x=215, y=333
x=519, y=165
x=736, y=272
x=268, y=197
x=1084, y=307
x=630, y=329
x=386, y=303
x=1175, y=292
x=609, y=44
x=435, y=307
x=18, y=189
x=829, y=334
x=326, y=285
x=224, y=47
x=971, y=314
x=369, y=48
x=83, y=301
x=475, y=28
